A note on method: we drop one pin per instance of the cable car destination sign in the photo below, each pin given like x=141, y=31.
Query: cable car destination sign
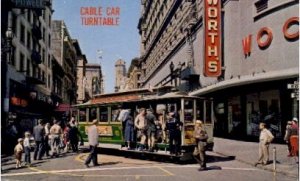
x=212, y=36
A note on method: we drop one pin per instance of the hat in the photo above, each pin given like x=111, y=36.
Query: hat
x=20, y=140
x=95, y=121
x=295, y=119
x=27, y=133
x=198, y=122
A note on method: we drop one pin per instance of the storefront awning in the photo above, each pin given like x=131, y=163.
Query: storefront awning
x=63, y=108
x=248, y=79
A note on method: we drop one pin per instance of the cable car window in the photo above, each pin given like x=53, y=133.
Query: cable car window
x=93, y=114
x=103, y=114
x=199, y=110
x=82, y=115
x=188, y=111
x=115, y=112
x=208, y=112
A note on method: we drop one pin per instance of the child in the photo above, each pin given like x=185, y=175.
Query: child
x=18, y=152
x=27, y=148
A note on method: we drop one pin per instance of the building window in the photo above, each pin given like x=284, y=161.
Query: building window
x=49, y=20
x=28, y=40
x=12, y=58
x=49, y=61
x=28, y=67
x=49, y=80
x=49, y=40
x=43, y=76
x=44, y=34
x=14, y=23
x=22, y=60
x=43, y=56
x=22, y=34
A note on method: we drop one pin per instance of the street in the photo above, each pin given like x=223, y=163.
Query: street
x=71, y=167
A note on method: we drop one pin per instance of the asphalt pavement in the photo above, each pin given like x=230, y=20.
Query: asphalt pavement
x=70, y=166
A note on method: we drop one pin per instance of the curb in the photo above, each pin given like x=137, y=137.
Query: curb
x=261, y=167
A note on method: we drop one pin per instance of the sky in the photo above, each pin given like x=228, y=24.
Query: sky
x=114, y=42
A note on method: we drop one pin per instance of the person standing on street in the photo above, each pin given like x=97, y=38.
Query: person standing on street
x=174, y=128
x=201, y=137
x=293, y=137
x=18, y=152
x=73, y=138
x=27, y=148
x=93, y=142
x=141, y=124
x=129, y=129
x=39, y=137
x=151, y=129
x=287, y=136
x=47, y=138
x=265, y=138
x=56, y=137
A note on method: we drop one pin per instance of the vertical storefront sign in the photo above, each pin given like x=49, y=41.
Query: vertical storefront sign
x=212, y=36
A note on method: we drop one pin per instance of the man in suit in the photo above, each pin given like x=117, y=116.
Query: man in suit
x=93, y=142
x=39, y=137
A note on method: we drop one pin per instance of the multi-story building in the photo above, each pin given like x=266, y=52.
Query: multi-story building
x=133, y=75
x=27, y=66
x=65, y=54
x=241, y=53
x=94, y=79
x=120, y=73
x=82, y=91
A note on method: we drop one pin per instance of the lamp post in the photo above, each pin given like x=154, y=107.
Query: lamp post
x=7, y=50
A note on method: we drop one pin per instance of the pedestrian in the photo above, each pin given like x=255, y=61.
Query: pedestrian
x=56, y=138
x=18, y=152
x=47, y=139
x=201, y=137
x=174, y=128
x=293, y=137
x=93, y=142
x=151, y=129
x=27, y=148
x=265, y=138
x=140, y=123
x=129, y=129
x=73, y=138
x=39, y=135
x=66, y=138
x=287, y=136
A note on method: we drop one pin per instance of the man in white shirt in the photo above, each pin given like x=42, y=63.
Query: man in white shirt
x=93, y=142
x=265, y=138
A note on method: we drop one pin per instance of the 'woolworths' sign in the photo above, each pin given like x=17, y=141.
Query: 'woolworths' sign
x=29, y=4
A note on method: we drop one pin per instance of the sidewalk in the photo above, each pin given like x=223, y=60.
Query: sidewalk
x=247, y=152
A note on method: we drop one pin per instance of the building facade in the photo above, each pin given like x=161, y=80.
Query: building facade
x=133, y=75
x=26, y=59
x=65, y=53
x=93, y=79
x=120, y=73
x=82, y=91
x=256, y=61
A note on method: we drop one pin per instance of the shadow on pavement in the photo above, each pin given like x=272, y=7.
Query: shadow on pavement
x=211, y=158
x=214, y=168
x=109, y=163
